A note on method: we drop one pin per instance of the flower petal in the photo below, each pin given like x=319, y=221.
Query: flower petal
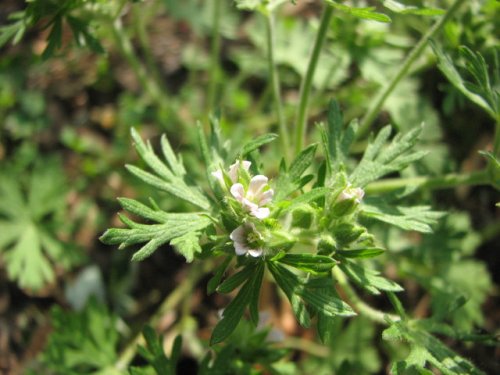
x=218, y=175
x=234, y=168
x=266, y=197
x=255, y=252
x=238, y=191
x=257, y=183
x=238, y=235
x=240, y=249
x=261, y=212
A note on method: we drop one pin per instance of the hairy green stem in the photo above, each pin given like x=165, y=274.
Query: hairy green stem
x=361, y=307
x=379, y=100
x=433, y=183
x=305, y=87
x=275, y=83
x=214, y=56
x=178, y=295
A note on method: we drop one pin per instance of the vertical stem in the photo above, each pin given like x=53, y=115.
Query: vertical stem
x=376, y=105
x=151, y=87
x=275, y=83
x=214, y=57
x=305, y=87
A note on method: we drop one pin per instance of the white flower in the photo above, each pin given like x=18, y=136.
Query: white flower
x=255, y=196
x=351, y=193
x=243, y=237
x=233, y=171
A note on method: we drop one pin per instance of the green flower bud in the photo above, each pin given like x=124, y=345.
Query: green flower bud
x=303, y=216
x=345, y=233
x=326, y=244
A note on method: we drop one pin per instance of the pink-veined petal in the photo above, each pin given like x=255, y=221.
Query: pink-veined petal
x=257, y=183
x=266, y=197
x=240, y=249
x=238, y=235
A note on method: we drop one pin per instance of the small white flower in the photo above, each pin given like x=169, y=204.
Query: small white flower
x=255, y=196
x=351, y=193
x=243, y=237
x=233, y=171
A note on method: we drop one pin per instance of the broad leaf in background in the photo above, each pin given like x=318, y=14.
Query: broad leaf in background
x=426, y=352
x=363, y=13
x=82, y=342
x=481, y=90
x=398, y=7
x=29, y=216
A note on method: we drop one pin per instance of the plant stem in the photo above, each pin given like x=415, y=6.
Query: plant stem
x=275, y=82
x=183, y=291
x=358, y=304
x=376, y=105
x=214, y=56
x=432, y=183
x=305, y=87
x=151, y=87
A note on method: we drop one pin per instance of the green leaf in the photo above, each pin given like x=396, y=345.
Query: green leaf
x=29, y=212
x=257, y=142
x=187, y=245
x=291, y=180
x=369, y=279
x=291, y=285
x=237, y=279
x=380, y=160
x=172, y=225
x=219, y=273
x=480, y=92
x=302, y=199
x=418, y=218
x=153, y=352
x=233, y=313
x=426, y=350
x=397, y=7
x=81, y=342
x=337, y=140
x=308, y=262
x=169, y=177
x=363, y=13
x=320, y=295
x=368, y=252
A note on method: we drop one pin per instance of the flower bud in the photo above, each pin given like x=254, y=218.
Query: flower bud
x=345, y=233
x=303, y=216
x=326, y=244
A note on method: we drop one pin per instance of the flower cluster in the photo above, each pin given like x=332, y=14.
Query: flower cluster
x=252, y=195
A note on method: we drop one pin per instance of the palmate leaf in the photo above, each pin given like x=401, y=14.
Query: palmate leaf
x=182, y=228
x=368, y=279
x=167, y=176
x=426, y=350
x=28, y=245
x=380, y=159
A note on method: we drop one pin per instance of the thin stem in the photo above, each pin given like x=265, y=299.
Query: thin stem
x=178, y=295
x=376, y=105
x=214, y=56
x=305, y=88
x=433, y=183
x=358, y=304
x=151, y=87
x=275, y=82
